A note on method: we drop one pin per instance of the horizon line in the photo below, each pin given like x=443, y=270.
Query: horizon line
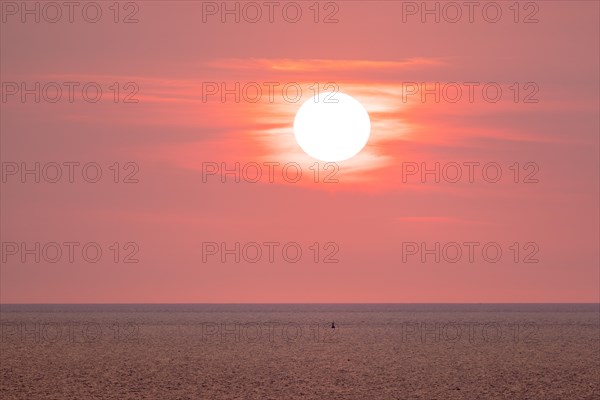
x=312, y=303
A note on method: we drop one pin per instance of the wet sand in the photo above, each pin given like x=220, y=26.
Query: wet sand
x=291, y=352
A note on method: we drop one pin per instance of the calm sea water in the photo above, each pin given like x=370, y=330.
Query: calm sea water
x=290, y=351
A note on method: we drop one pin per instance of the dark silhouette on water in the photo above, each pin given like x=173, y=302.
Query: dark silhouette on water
x=333, y=325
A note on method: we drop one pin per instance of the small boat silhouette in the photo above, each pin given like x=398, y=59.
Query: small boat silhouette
x=333, y=325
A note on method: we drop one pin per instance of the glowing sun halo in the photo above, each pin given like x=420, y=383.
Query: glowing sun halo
x=332, y=127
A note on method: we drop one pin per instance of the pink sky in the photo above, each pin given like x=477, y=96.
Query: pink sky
x=369, y=54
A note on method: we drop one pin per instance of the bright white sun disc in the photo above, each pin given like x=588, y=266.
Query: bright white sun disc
x=332, y=127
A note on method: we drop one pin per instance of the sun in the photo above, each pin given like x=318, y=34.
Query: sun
x=332, y=127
